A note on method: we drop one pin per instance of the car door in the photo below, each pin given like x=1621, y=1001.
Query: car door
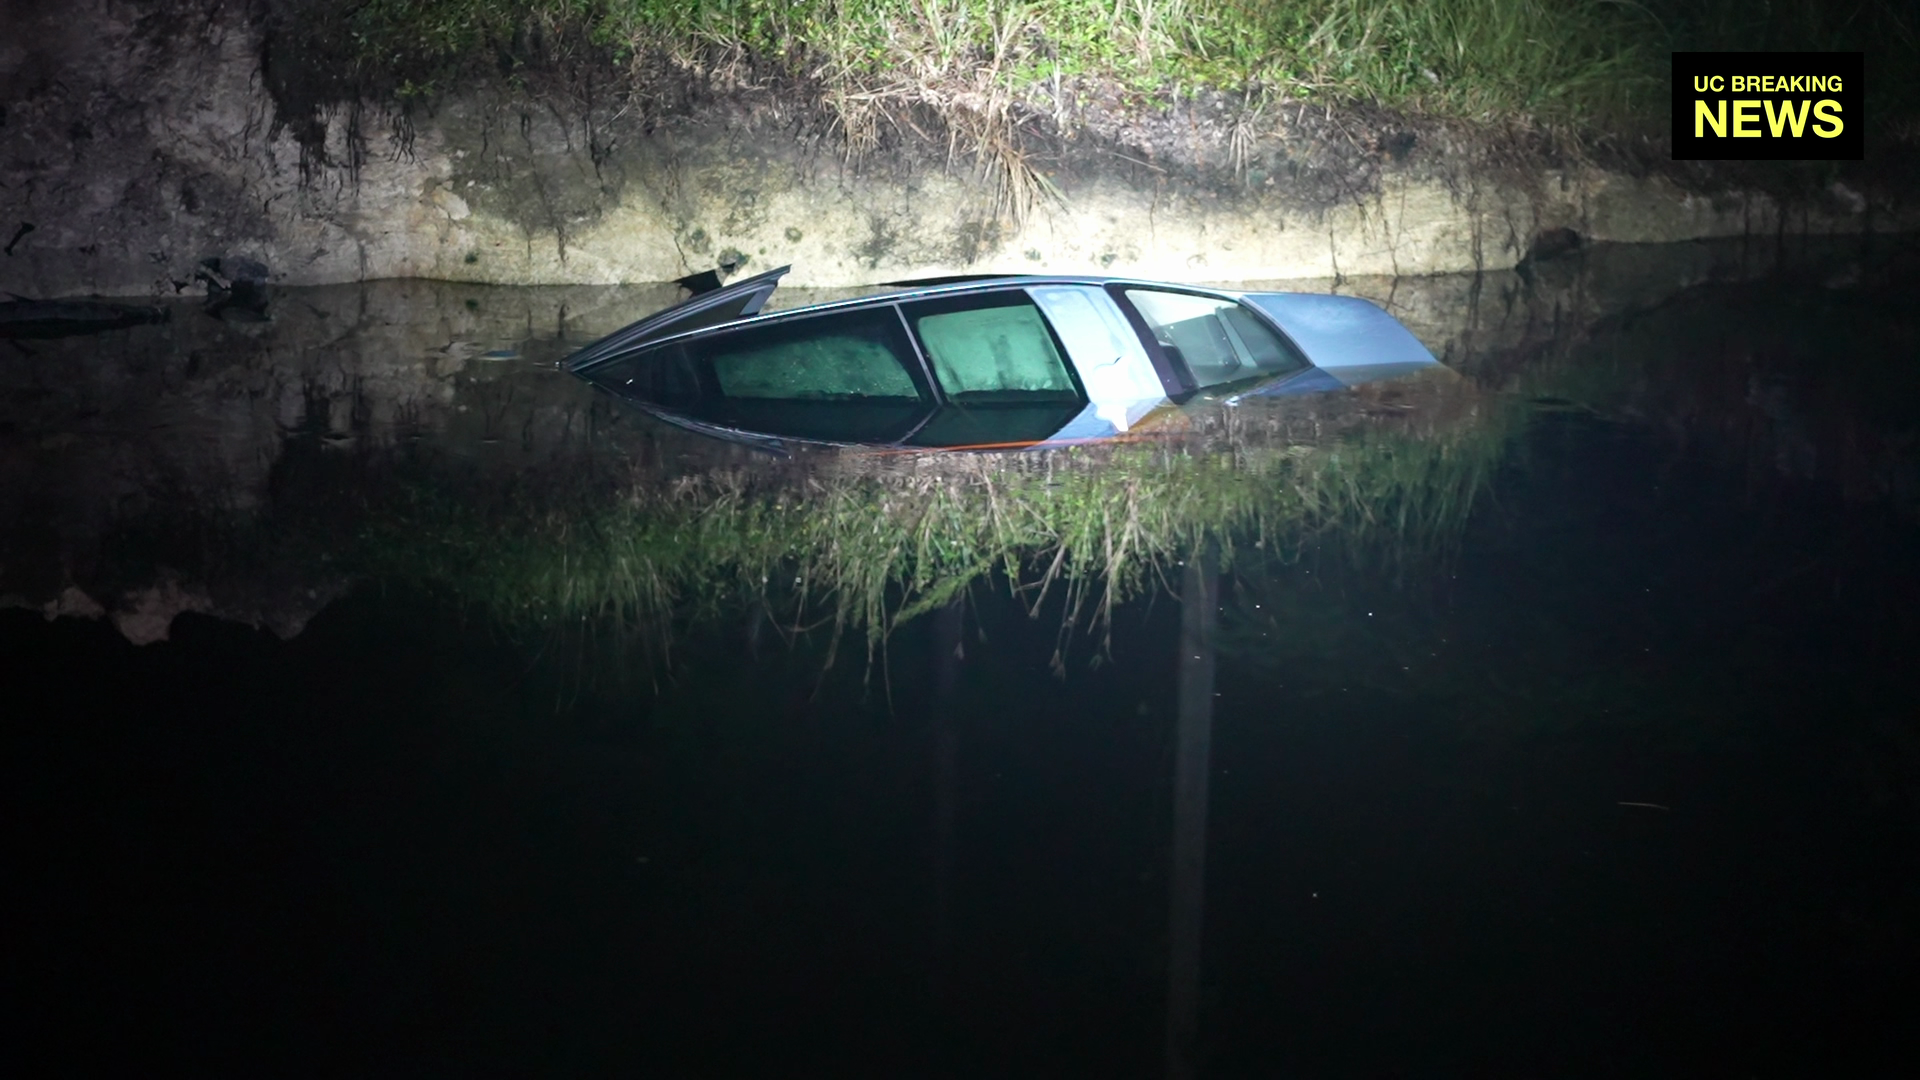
x=1115, y=369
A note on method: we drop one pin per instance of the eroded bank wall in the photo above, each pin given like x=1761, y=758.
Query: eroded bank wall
x=136, y=150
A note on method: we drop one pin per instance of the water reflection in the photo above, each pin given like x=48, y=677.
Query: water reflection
x=1192, y=762
x=1361, y=796
x=949, y=650
x=419, y=431
x=551, y=508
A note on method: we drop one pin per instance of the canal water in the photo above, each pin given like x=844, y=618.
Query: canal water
x=379, y=702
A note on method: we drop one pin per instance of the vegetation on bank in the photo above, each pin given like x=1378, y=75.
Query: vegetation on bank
x=1566, y=62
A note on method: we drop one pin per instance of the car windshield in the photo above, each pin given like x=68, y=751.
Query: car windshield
x=1218, y=340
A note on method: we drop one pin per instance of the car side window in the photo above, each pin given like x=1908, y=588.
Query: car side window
x=847, y=356
x=992, y=348
x=844, y=376
x=1218, y=340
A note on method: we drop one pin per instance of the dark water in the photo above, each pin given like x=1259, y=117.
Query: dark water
x=1617, y=772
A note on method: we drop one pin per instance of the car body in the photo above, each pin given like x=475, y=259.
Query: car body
x=985, y=362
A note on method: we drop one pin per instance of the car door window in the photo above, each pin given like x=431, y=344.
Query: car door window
x=1218, y=340
x=855, y=355
x=846, y=376
x=992, y=349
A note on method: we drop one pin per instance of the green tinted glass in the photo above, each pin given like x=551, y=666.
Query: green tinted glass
x=994, y=353
x=846, y=356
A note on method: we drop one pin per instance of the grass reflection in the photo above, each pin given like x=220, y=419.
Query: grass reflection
x=857, y=544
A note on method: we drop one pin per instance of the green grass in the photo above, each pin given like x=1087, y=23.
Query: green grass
x=981, y=69
x=859, y=547
x=1459, y=57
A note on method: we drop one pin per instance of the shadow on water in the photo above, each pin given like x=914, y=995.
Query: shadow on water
x=1549, y=715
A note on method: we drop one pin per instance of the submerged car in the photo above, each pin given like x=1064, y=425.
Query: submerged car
x=980, y=362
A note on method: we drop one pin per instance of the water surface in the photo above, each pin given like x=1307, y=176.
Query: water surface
x=1558, y=719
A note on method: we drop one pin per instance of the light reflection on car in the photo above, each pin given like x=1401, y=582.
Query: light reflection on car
x=980, y=362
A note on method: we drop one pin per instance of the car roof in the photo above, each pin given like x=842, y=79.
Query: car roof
x=659, y=326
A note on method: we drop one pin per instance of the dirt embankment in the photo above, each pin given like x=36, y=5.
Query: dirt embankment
x=139, y=140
